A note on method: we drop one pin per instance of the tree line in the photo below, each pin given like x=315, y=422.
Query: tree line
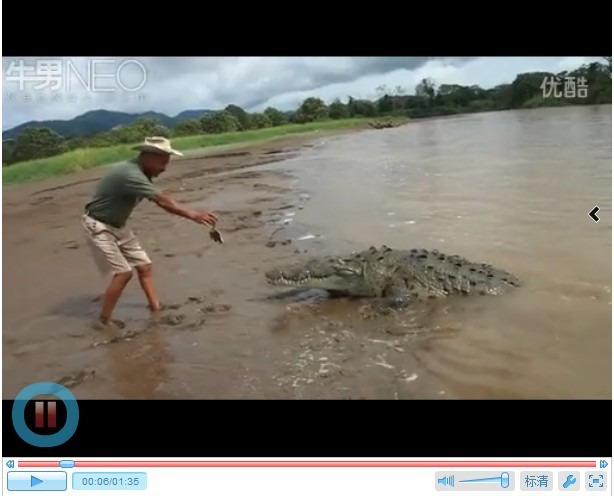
x=589, y=84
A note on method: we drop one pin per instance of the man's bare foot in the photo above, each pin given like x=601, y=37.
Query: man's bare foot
x=108, y=325
x=162, y=307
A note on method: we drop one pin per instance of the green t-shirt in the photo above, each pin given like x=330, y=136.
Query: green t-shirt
x=117, y=193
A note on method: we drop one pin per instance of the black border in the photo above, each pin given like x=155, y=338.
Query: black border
x=421, y=29
x=192, y=428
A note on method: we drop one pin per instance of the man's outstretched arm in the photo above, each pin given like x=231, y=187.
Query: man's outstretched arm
x=138, y=185
x=174, y=207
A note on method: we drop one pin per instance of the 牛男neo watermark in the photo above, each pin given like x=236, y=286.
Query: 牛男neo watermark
x=92, y=75
x=573, y=87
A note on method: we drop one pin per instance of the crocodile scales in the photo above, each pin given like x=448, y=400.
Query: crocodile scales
x=396, y=277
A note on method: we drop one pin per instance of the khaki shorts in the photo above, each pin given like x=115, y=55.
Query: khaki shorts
x=115, y=250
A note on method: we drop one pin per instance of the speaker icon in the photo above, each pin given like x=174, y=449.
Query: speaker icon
x=446, y=481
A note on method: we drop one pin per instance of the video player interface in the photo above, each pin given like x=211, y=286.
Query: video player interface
x=279, y=477
x=430, y=234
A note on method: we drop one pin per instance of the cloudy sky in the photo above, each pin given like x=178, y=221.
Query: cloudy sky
x=41, y=89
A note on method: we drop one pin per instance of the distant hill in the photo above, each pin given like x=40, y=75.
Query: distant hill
x=98, y=121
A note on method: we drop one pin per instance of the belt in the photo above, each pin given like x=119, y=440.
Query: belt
x=102, y=220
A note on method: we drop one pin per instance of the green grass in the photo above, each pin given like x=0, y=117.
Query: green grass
x=87, y=158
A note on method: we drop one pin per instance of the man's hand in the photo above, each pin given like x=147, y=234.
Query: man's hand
x=205, y=218
x=172, y=206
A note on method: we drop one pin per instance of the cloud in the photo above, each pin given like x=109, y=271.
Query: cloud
x=174, y=84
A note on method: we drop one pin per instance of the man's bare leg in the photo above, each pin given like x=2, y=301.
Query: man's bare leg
x=112, y=294
x=147, y=284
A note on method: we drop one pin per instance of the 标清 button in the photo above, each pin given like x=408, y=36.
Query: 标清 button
x=536, y=481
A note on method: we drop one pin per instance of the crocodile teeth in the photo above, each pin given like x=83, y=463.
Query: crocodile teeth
x=296, y=282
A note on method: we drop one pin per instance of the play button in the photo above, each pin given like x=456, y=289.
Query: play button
x=17, y=480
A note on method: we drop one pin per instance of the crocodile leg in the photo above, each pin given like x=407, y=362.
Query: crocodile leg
x=394, y=298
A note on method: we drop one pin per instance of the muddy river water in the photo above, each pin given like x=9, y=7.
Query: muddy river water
x=512, y=189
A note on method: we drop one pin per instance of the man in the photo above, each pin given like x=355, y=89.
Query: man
x=116, y=248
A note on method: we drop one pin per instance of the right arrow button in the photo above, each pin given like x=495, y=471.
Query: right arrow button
x=593, y=214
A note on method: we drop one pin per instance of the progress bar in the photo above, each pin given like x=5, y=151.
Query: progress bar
x=306, y=464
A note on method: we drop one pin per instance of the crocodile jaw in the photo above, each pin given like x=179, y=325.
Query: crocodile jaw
x=330, y=282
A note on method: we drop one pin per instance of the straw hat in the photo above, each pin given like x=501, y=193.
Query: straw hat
x=157, y=144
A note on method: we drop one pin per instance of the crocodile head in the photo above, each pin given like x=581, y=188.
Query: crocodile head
x=343, y=275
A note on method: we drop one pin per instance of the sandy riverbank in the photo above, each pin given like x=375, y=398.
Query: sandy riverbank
x=51, y=282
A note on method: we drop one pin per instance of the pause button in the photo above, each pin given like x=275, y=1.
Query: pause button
x=45, y=415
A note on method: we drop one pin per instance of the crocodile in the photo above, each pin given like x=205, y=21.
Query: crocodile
x=395, y=278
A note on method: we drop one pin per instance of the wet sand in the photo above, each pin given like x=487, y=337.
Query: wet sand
x=199, y=347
